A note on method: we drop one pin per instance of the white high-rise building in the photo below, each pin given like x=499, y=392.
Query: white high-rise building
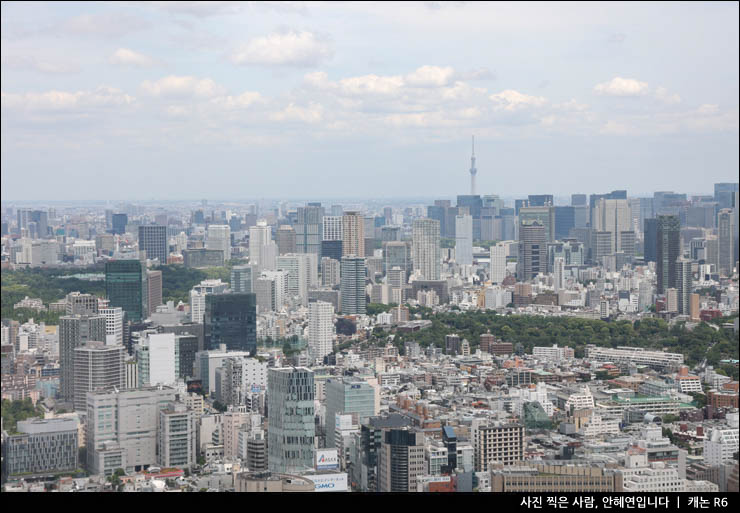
x=498, y=263
x=720, y=446
x=268, y=256
x=614, y=216
x=298, y=266
x=113, y=325
x=219, y=237
x=464, y=240
x=157, y=360
x=425, y=248
x=271, y=290
x=259, y=235
x=198, y=297
x=332, y=227
x=320, y=328
x=559, y=273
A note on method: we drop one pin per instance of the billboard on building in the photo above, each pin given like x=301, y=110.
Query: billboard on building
x=327, y=459
x=329, y=482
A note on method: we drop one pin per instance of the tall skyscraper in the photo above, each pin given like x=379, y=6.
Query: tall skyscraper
x=559, y=273
x=397, y=254
x=353, y=285
x=286, y=239
x=298, y=266
x=231, y=319
x=651, y=240
x=259, y=235
x=473, y=170
x=400, y=460
x=615, y=216
x=425, y=248
x=153, y=240
x=684, y=285
x=242, y=278
x=464, y=240
x=498, y=263
x=723, y=194
x=532, y=258
x=727, y=230
x=75, y=331
x=125, y=286
x=544, y=215
x=291, y=428
x=309, y=229
x=668, y=249
x=154, y=290
x=320, y=328
x=96, y=367
x=332, y=228
x=347, y=396
x=353, y=234
x=219, y=238
x=565, y=220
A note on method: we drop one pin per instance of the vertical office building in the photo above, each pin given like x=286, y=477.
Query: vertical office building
x=347, y=396
x=125, y=286
x=320, y=328
x=684, y=285
x=352, y=283
x=97, y=367
x=474, y=204
x=177, y=436
x=464, y=240
x=397, y=254
x=353, y=234
x=118, y=223
x=332, y=228
x=121, y=428
x=291, y=427
x=668, y=249
x=113, y=325
x=242, y=278
x=425, y=251
x=153, y=240
x=400, y=460
x=651, y=240
x=259, y=235
x=544, y=215
x=727, y=230
x=81, y=304
x=41, y=446
x=75, y=331
x=565, y=221
x=231, y=319
x=286, y=239
x=497, y=442
x=532, y=257
x=615, y=216
x=219, y=238
x=498, y=263
x=298, y=267
x=154, y=290
x=309, y=229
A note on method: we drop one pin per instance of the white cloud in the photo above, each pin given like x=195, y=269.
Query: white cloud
x=244, y=100
x=108, y=25
x=174, y=86
x=514, y=100
x=663, y=95
x=619, y=86
x=311, y=114
x=63, y=101
x=127, y=57
x=430, y=76
x=290, y=48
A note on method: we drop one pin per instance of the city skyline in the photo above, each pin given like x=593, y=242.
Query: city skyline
x=281, y=100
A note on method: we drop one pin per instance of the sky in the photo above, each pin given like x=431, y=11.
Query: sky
x=229, y=100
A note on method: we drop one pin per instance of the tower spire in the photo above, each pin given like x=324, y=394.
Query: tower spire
x=473, y=170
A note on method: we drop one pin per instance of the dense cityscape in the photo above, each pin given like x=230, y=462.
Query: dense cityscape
x=473, y=340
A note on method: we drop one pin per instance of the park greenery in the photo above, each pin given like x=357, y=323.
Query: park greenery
x=14, y=411
x=53, y=284
x=528, y=331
